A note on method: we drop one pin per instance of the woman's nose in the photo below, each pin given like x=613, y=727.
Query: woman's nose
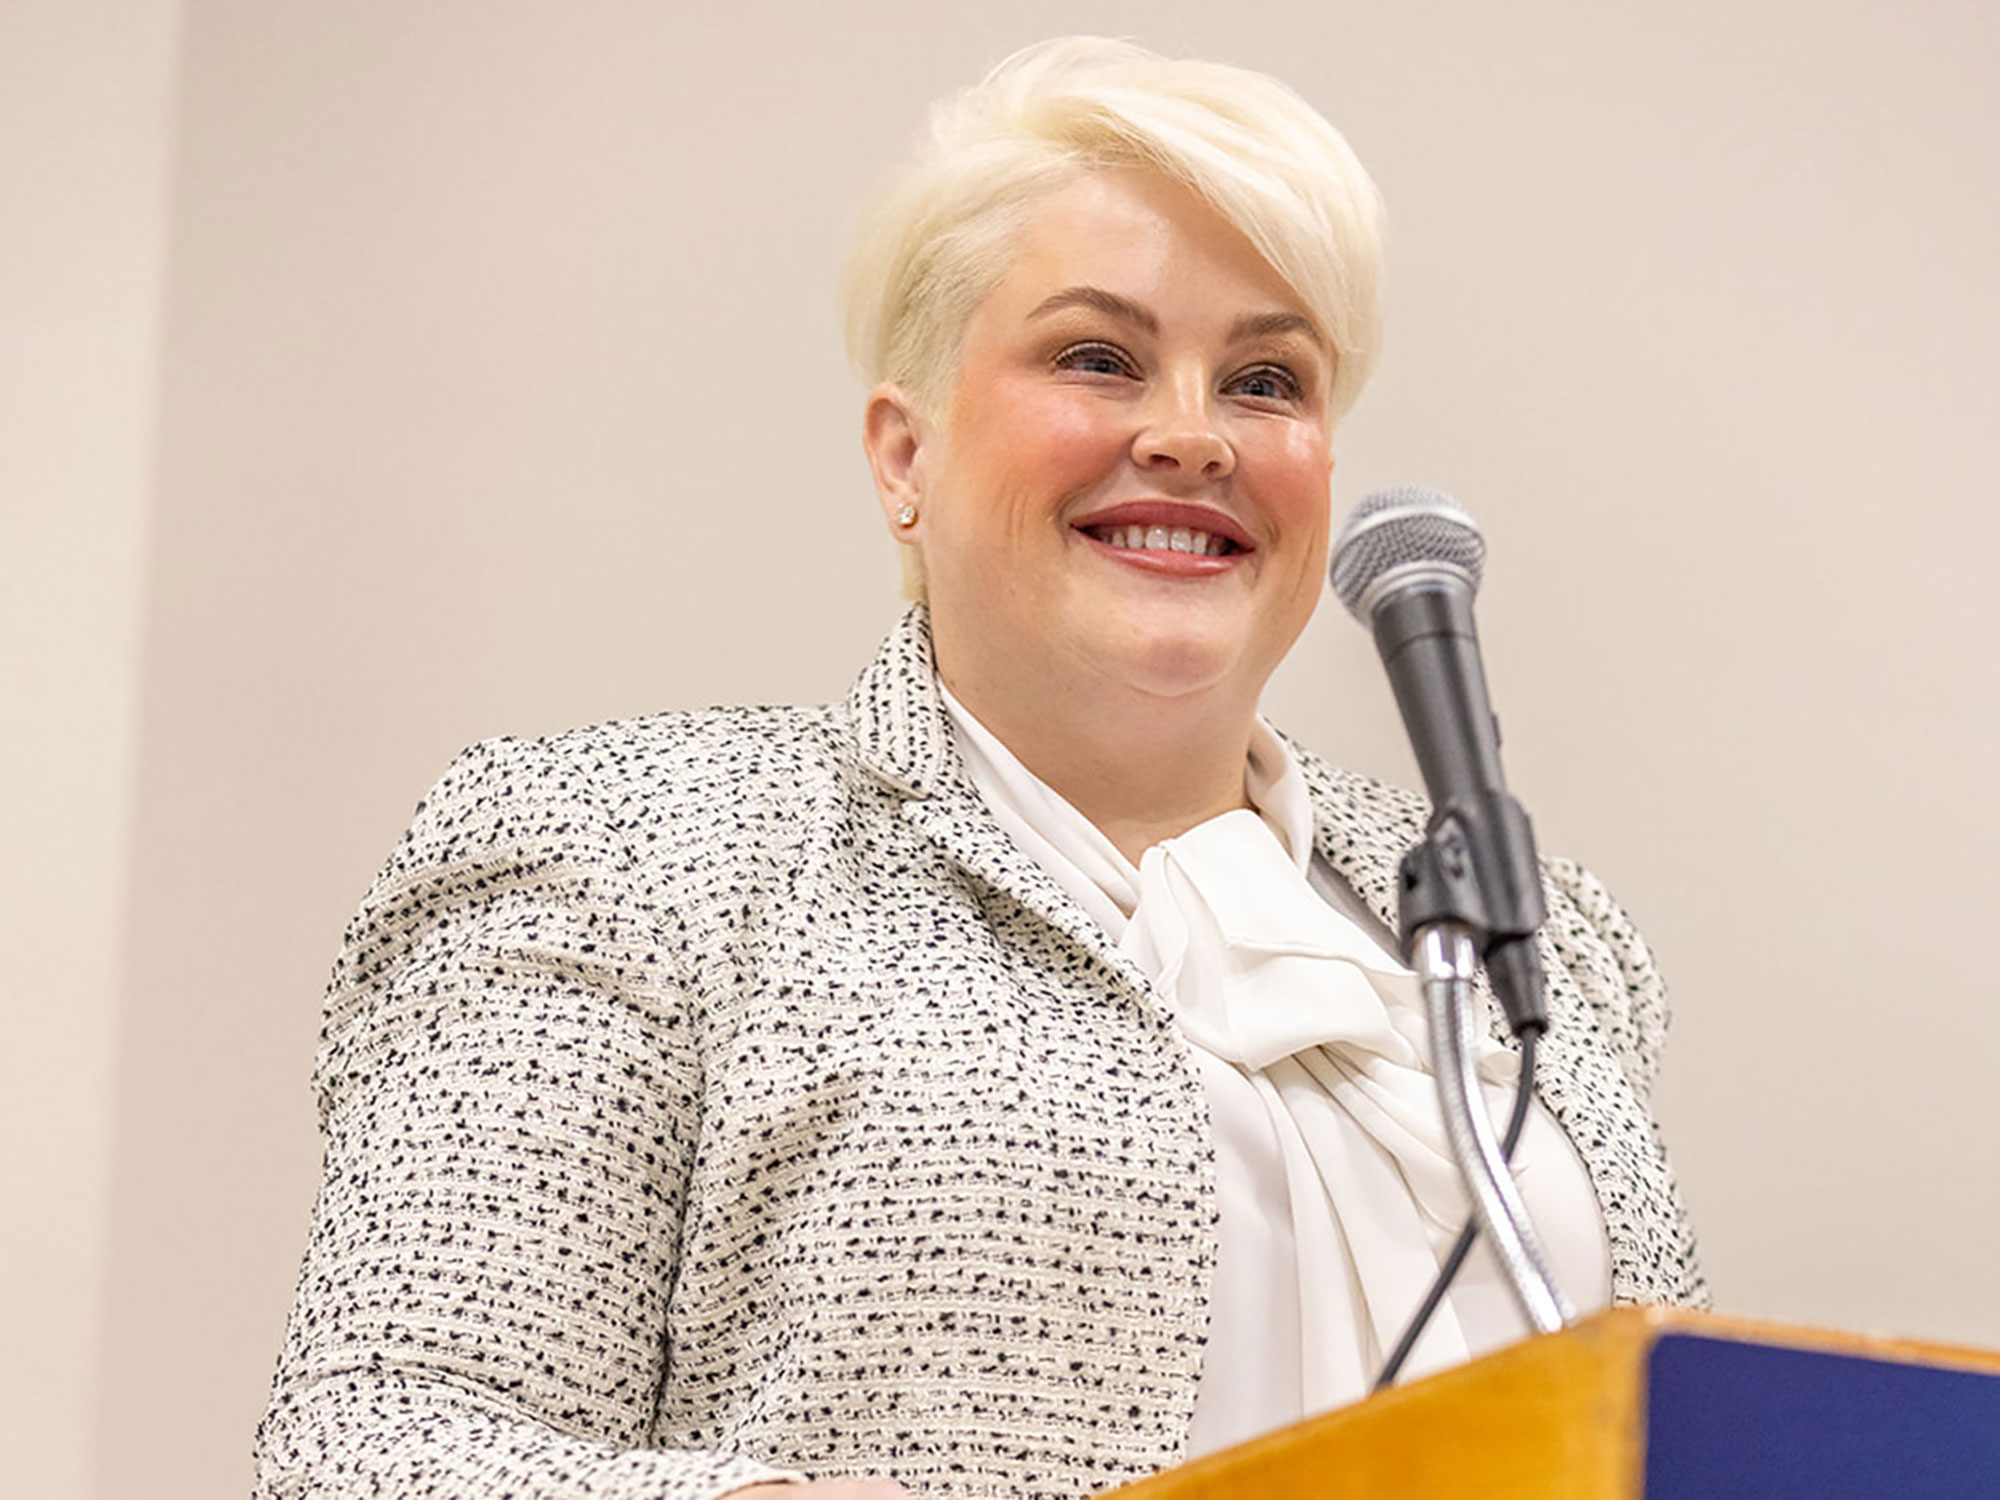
x=1181, y=434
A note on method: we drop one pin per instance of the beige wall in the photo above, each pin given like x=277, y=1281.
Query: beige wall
x=500, y=390
x=85, y=108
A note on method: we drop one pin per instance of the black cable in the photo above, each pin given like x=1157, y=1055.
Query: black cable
x=1524, y=1092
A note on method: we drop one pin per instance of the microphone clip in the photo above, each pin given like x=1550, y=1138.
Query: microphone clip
x=1476, y=867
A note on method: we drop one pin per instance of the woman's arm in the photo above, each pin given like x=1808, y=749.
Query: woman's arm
x=510, y=1095
x=1593, y=937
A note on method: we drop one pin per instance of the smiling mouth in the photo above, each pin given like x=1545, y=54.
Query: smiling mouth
x=1163, y=539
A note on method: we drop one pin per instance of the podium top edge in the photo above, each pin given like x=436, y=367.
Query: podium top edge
x=1648, y=1323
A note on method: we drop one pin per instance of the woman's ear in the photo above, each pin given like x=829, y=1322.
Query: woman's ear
x=895, y=437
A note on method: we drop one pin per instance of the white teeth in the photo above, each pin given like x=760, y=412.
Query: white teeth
x=1167, y=539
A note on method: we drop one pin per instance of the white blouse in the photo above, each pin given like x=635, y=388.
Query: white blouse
x=1336, y=1190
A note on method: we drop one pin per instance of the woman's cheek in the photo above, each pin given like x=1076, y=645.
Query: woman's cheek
x=1072, y=431
x=1027, y=435
x=1299, y=473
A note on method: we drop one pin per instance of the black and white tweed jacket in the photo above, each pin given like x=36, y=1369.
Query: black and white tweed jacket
x=718, y=1091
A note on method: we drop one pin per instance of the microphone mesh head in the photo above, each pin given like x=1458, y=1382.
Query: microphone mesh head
x=1405, y=530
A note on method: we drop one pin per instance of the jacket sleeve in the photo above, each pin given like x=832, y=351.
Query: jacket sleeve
x=1590, y=934
x=509, y=1098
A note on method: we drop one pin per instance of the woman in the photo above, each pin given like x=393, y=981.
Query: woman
x=1000, y=1081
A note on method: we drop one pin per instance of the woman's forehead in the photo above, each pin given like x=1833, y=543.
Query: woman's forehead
x=1135, y=246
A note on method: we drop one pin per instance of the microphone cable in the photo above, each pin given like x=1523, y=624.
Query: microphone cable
x=1517, y=1119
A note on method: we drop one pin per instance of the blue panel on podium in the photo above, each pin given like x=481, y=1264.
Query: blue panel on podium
x=1753, y=1422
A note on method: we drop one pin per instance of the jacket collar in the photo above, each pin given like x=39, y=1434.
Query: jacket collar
x=901, y=732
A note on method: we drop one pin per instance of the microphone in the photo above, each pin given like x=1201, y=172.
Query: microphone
x=1407, y=564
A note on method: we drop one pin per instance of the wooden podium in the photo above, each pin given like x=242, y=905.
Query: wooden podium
x=1643, y=1404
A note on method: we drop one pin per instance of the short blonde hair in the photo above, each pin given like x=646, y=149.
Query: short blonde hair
x=941, y=238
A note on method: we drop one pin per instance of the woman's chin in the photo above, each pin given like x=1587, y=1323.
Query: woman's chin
x=1171, y=659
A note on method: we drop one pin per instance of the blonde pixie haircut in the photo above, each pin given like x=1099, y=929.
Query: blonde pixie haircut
x=942, y=237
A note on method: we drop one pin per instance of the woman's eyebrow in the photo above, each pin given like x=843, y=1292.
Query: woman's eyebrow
x=1110, y=303
x=1250, y=326
x=1269, y=325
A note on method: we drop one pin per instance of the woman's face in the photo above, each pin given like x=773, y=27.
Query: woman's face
x=1129, y=489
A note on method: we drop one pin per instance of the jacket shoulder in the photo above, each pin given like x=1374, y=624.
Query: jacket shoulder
x=614, y=818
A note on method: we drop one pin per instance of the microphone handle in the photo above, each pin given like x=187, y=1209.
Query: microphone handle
x=1477, y=865
x=1430, y=650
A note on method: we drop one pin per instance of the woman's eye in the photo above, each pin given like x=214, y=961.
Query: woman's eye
x=1094, y=359
x=1268, y=383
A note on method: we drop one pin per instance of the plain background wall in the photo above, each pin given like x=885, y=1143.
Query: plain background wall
x=500, y=390
x=86, y=110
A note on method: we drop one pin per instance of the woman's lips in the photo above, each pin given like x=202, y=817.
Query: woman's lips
x=1163, y=536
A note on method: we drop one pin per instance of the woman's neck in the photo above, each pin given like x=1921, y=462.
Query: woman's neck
x=1141, y=768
